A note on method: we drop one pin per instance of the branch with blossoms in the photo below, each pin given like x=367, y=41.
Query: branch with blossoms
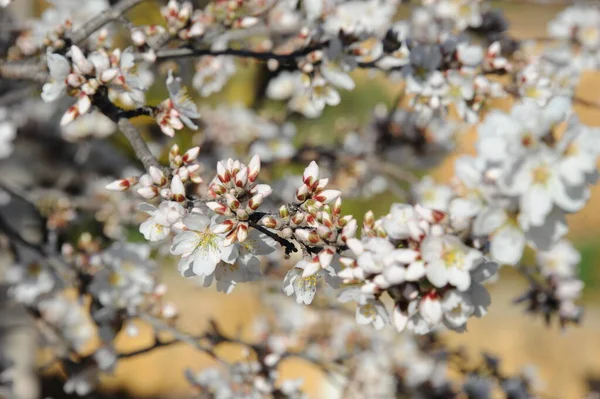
x=230, y=210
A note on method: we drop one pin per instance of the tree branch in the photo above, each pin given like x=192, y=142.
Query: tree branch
x=142, y=152
x=111, y=14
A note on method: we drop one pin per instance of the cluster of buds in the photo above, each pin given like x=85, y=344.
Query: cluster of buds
x=139, y=37
x=413, y=255
x=237, y=196
x=232, y=13
x=493, y=60
x=183, y=21
x=315, y=220
x=177, y=110
x=183, y=168
x=82, y=76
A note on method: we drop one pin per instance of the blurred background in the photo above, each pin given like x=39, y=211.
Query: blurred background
x=568, y=362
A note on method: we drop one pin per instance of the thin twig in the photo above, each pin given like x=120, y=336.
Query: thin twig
x=288, y=245
x=142, y=152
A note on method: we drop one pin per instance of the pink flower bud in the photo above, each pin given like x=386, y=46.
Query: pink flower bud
x=253, y=168
x=241, y=177
x=157, y=175
x=269, y=222
x=121, y=184
x=80, y=61
x=138, y=37
x=190, y=155
x=298, y=218
x=311, y=268
x=178, y=189
x=83, y=103
x=219, y=208
x=232, y=202
x=302, y=193
x=327, y=196
x=224, y=227
x=222, y=173
x=69, y=116
x=256, y=201
x=242, y=232
x=311, y=173
x=148, y=192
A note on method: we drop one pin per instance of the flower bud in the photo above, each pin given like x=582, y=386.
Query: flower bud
x=242, y=232
x=253, y=168
x=157, y=175
x=218, y=208
x=284, y=212
x=269, y=222
x=178, y=189
x=224, y=227
x=311, y=173
x=430, y=308
x=255, y=202
x=190, y=155
x=121, y=184
x=148, y=192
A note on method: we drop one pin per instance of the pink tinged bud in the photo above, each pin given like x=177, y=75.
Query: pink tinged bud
x=232, y=202
x=178, y=189
x=298, y=218
x=263, y=189
x=320, y=185
x=269, y=222
x=241, y=177
x=399, y=318
x=324, y=232
x=222, y=173
x=253, y=168
x=218, y=189
x=307, y=236
x=311, y=269
x=183, y=173
x=286, y=233
x=121, y=184
x=430, y=308
x=230, y=238
x=311, y=221
x=416, y=233
x=242, y=232
x=83, y=104
x=241, y=214
x=255, y=202
x=284, y=212
x=349, y=231
x=224, y=227
x=190, y=155
x=69, y=116
x=325, y=257
x=148, y=192
x=337, y=206
x=195, y=178
x=157, y=175
x=219, y=208
x=311, y=173
x=302, y=193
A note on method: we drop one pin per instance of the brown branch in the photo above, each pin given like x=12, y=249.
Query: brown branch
x=142, y=152
x=111, y=14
